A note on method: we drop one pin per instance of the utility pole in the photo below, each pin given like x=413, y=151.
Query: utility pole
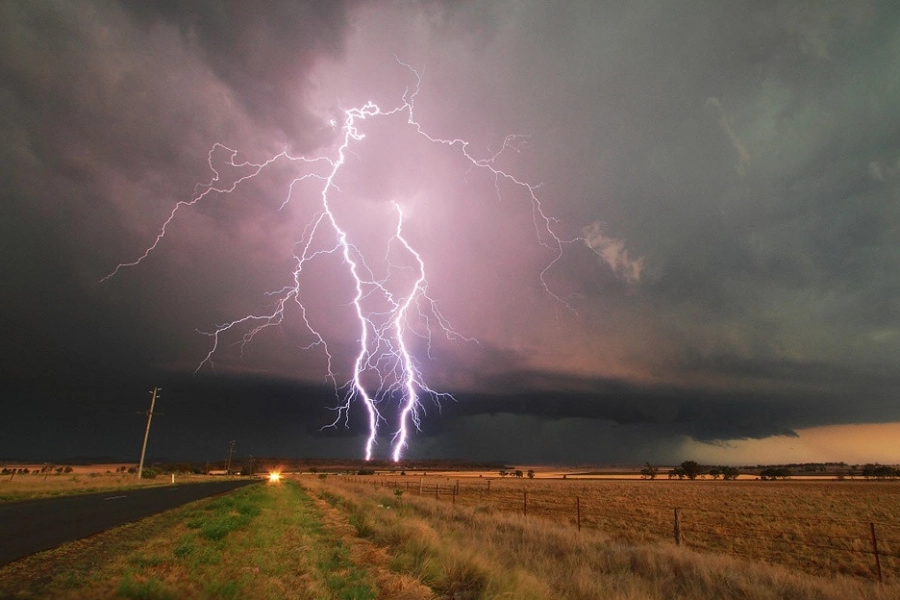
x=147, y=431
x=230, y=452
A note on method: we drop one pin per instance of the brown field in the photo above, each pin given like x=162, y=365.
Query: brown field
x=495, y=551
x=822, y=527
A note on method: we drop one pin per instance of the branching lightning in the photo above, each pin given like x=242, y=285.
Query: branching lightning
x=384, y=367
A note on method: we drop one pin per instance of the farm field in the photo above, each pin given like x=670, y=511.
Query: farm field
x=81, y=480
x=327, y=537
x=822, y=527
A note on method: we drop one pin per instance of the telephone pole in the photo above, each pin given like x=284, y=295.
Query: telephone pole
x=230, y=452
x=147, y=431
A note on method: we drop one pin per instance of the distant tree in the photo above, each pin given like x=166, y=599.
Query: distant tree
x=518, y=473
x=782, y=472
x=691, y=469
x=715, y=472
x=530, y=473
x=773, y=473
x=649, y=471
x=730, y=473
x=877, y=471
x=503, y=473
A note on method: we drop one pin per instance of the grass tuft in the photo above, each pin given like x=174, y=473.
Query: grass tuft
x=150, y=589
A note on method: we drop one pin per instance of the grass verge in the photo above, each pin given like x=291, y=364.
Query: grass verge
x=262, y=541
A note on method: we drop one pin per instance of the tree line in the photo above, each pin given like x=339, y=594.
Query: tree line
x=691, y=469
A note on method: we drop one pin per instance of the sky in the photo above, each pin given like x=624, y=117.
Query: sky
x=666, y=231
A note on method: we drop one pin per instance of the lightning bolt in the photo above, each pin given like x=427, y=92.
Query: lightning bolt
x=384, y=367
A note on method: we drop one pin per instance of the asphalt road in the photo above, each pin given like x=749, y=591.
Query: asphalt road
x=35, y=525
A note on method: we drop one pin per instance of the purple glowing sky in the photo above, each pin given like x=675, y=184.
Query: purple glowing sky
x=731, y=170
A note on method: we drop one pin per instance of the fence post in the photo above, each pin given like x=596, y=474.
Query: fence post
x=677, y=526
x=420, y=486
x=489, y=487
x=578, y=511
x=524, y=504
x=875, y=549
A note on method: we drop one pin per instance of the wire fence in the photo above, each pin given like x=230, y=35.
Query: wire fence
x=777, y=533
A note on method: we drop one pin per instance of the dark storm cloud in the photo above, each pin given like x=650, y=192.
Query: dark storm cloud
x=264, y=56
x=109, y=110
x=779, y=399
x=732, y=167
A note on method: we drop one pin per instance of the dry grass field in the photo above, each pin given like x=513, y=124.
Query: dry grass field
x=478, y=550
x=80, y=480
x=821, y=527
x=347, y=538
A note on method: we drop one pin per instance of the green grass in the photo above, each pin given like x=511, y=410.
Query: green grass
x=151, y=589
x=261, y=541
x=332, y=557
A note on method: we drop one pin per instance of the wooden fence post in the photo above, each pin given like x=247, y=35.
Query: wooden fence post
x=677, y=526
x=489, y=487
x=578, y=511
x=524, y=504
x=875, y=549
